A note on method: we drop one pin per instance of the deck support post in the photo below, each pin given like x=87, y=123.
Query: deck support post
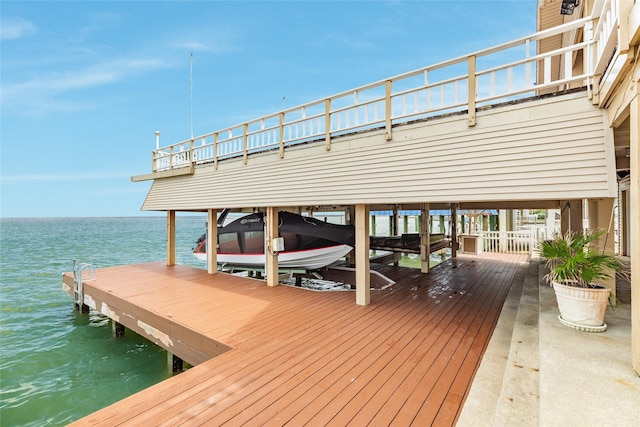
x=174, y=363
x=212, y=240
x=82, y=308
x=634, y=229
x=171, y=237
x=502, y=228
x=564, y=216
x=601, y=216
x=571, y=216
x=395, y=220
x=363, y=292
x=454, y=230
x=118, y=329
x=348, y=220
x=373, y=225
x=271, y=233
x=425, y=244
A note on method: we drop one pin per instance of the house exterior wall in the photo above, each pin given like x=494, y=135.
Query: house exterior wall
x=549, y=149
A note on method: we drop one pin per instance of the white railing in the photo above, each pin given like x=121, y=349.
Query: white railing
x=510, y=242
x=522, y=241
x=457, y=85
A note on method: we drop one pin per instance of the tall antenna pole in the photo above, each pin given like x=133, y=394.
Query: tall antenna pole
x=191, y=93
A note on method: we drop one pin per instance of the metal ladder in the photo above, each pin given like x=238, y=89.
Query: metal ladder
x=82, y=272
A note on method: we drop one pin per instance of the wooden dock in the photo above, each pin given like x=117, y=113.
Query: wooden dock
x=290, y=355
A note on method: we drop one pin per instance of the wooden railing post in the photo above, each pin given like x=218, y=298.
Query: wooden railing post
x=246, y=141
x=327, y=123
x=388, y=110
x=281, y=129
x=471, y=95
x=215, y=151
x=192, y=146
x=171, y=157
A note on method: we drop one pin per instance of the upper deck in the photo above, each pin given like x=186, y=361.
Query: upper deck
x=459, y=131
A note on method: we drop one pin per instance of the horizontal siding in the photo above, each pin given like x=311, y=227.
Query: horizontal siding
x=551, y=149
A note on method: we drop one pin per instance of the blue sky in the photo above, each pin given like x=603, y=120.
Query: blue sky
x=85, y=84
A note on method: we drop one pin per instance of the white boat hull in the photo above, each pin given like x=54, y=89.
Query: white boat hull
x=311, y=259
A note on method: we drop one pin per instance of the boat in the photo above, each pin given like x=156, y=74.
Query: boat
x=309, y=243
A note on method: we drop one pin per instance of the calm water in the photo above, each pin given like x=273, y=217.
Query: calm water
x=58, y=365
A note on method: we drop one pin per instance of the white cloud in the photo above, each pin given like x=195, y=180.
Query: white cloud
x=193, y=46
x=216, y=41
x=42, y=93
x=15, y=28
x=63, y=177
x=132, y=189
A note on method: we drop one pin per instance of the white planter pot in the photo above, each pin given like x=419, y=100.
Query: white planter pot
x=582, y=308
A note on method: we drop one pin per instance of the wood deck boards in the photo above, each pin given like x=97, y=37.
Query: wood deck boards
x=303, y=357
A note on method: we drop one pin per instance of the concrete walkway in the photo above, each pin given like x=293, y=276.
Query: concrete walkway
x=537, y=372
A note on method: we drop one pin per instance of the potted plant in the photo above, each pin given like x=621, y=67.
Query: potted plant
x=575, y=271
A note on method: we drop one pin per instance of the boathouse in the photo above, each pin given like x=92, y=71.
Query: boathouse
x=554, y=126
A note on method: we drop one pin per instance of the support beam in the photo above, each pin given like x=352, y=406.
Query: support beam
x=363, y=292
x=576, y=215
x=171, y=237
x=624, y=220
x=118, y=329
x=550, y=222
x=212, y=241
x=511, y=220
x=82, y=308
x=454, y=230
x=174, y=363
x=425, y=244
x=564, y=217
x=271, y=228
x=634, y=190
x=601, y=214
x=395, y=218
x=503, y=227
x=348, y=220
x=571, y=216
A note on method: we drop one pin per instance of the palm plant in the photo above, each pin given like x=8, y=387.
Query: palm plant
x=572, y=261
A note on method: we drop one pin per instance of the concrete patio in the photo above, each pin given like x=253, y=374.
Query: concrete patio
x=537, y=372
